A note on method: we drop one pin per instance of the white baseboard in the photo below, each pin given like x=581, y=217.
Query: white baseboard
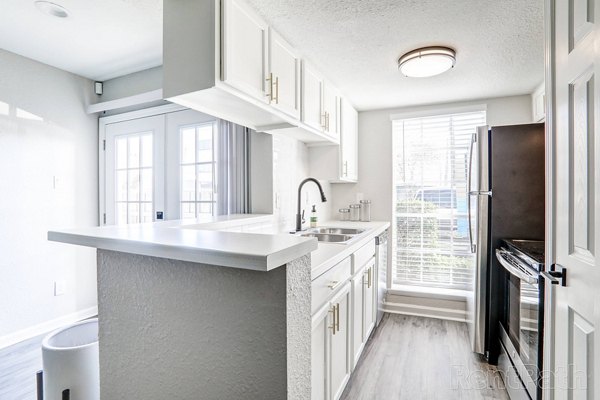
x=426, y=311
x=45, y=327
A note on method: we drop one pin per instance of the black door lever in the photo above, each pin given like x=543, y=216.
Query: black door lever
x=555, y=277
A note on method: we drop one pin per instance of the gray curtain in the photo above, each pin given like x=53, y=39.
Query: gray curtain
x=233, y=169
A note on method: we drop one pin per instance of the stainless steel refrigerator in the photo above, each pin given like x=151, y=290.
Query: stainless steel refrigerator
x=506, y=200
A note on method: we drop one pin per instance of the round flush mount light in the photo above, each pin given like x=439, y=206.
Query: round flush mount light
x=427, y=61
x=51, y=9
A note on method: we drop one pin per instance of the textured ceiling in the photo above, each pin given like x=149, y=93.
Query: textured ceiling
x=100, y=40
x=355, y=43
x=499, y=45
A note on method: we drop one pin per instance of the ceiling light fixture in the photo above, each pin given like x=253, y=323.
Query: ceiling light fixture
x=427, y=61
x=52, y=9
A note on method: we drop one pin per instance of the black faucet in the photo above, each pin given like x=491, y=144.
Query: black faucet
x=299, y=215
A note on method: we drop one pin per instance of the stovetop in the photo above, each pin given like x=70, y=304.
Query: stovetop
x=531, y=248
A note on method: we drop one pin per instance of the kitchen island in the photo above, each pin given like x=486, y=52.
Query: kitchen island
x=214, y=308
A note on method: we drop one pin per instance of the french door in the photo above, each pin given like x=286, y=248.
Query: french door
x=158, y=164
x=134, y=177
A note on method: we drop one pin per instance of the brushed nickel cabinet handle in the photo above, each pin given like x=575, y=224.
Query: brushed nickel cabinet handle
x=270, y=94
x=332, y=327
x=276, y=90
x=334, y=285
x=337, y=316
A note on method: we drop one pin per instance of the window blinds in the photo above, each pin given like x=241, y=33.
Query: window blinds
x=431, y=161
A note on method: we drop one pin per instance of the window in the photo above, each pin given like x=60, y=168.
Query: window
x=431, y=160
x=198, y=170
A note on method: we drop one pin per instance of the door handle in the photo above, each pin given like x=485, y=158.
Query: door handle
x=469, y=216
x=555, y=277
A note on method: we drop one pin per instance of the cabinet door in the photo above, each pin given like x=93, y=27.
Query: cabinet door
x=349, y=142
x=357, y=316
x=340, y=343
x=244, y=49
x=322, y=326
x=312, y=84
x=368, y=283
x=331, y=110
x=284, y=73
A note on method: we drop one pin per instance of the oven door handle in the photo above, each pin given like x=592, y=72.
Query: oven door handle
x=532, y=280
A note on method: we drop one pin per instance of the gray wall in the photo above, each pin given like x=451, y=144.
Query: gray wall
x=49, y=176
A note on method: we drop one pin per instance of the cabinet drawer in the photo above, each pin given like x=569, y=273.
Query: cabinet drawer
x=327, y=284
x=362, y=256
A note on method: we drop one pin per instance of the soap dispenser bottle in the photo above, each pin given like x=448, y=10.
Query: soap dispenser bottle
x=313, y=217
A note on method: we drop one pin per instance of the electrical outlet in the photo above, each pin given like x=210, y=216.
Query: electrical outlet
x=60, y=287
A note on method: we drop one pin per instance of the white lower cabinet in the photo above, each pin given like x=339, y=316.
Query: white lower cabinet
x=340, y=342
x=343, y=304
x=357, y=316
x=331, y=327
x=369, y=299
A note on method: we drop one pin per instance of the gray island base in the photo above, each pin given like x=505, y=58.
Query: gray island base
x=173, y=329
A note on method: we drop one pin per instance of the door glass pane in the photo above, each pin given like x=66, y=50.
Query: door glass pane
x=133, y=187
x=197, y=166
x=133, y=152
x=188, y=183
x=146, y=212
x=188, y=210
x=205, y=145
x=146, y=184
x=134, y=178
x=147, y=149
x=121, y=152
x=121, y=190
x=188, y=145
x=133, y=210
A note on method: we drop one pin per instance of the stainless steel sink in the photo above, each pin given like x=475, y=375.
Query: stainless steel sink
x=337, y=231
x=329, y=237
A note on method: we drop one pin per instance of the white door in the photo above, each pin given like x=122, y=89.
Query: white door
x=284, y=76
x=322, y=325
x=244, y=49
x=340, y=343
x=576, y=195
x=134, y=185
x=191, y=150
x=311, y=98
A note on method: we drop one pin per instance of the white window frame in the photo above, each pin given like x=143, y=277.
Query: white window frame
x=410, y=290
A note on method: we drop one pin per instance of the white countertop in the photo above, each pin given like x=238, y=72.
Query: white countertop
x=329, y=254
x=198, y=241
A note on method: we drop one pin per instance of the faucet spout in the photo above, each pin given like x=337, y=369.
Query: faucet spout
x=299, y=211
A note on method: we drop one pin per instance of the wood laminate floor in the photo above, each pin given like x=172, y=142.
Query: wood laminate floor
x=422, y=359
x=18, y=365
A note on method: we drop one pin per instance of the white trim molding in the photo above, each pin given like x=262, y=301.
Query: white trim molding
x=429, y=111
x=135, y=100
x=440, y=308
x=46, y=327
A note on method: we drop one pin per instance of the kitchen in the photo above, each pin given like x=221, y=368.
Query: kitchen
x=175, y=161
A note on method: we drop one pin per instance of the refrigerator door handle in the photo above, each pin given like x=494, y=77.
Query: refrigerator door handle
x=473, y=247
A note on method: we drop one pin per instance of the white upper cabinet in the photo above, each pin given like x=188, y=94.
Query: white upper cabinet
x=245, y=51
x=312, y=88
x=331, y=110
x=349, y=142
x=221, y=58
x=283, y=81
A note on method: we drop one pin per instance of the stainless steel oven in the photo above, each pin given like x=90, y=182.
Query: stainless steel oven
x=521, y=328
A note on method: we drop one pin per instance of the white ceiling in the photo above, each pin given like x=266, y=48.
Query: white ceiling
x=100, y=40
x=356, y=43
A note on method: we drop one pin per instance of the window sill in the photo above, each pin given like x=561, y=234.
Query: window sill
x=429, y=292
